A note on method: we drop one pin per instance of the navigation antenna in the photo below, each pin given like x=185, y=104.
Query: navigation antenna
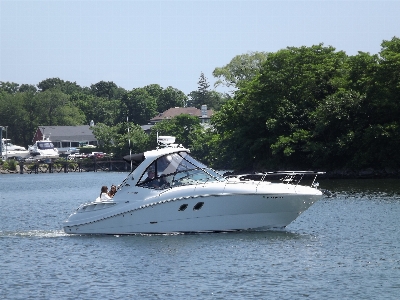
x=129, y=140
x=166, y=141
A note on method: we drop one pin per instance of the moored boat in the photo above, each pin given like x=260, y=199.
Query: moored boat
x=9, y=150
x=169, y=191
x=43, y=149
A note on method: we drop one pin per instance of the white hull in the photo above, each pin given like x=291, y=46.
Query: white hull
x=220, y=212
x=43, y=149
x=44, y=155
x=12, y=154
x=10, y=150
x=171, y=192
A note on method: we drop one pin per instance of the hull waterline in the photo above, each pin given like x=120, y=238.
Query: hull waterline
x=200, y=214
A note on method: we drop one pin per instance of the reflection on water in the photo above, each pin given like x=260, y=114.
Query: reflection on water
x=371, y=188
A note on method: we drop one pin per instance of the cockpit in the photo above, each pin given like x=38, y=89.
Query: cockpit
x=177, y=169
x=45, y=145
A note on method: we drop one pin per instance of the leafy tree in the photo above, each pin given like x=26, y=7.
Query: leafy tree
x=204, y=96
x=200, y=97
x=27, y=88
x=107, y=89
x=49, y=83
x=51, y=102
x=268, y=122
x=67, y=87
x=139, y=106
x=380, y=137
x=9, y=87
x=100, y=110
x=241, y=69
x=115, y=139
x=154, y=90
x=184, y=127
x=13, y=115
x=170, y=97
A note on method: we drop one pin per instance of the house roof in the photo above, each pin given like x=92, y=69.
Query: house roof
x=176, y=111
x=68, y=133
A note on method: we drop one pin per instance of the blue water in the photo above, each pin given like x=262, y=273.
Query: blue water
x=346, y=247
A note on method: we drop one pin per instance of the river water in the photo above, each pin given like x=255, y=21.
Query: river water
x=344, y=247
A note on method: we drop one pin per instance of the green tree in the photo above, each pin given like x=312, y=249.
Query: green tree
x=116, y=139
x=170, y=97
x=184, y=127
x=9, y=87
x=107, y=89
x=268, y=122
x=13, y=115
x=241, y=69
x=204, y=96
x=154, y=90
x=50, y=83
x=380, y=138
x=201, y=96
x=100, y=110
x=27, y=88
x=67, y=87
x=51, y=101
x=139, y=106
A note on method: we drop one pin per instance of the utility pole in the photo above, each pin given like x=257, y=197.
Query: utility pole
x=1, y=139
x=6, y=142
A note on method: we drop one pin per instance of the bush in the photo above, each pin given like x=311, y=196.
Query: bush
x=10, y=165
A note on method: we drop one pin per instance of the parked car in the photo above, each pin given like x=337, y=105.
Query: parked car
x=31, y=159
x=72, y=150
x=96, y=155
x=77, y=156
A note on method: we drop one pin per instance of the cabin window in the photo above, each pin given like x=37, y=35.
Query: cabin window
x=45, y=145
x=183, y=207
x=177, y=169
x=198, y=206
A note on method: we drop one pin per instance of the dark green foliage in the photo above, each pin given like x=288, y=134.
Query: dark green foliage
x=314, y=107
x=184, y=127
x=301, y=107
x=204, y=96
x=119, y=140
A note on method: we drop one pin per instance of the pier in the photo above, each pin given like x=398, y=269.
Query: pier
x=69, y=166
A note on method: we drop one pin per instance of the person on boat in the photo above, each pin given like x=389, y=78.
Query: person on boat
x=150, y=181
x=112, y=191
x=104, y=193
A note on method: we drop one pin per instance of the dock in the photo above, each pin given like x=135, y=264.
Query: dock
x=69, y=166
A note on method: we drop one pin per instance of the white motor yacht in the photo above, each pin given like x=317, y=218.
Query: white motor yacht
x=9, y=150
x=43, y=149
x=171, y=192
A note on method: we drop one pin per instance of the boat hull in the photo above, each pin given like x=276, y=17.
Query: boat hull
x=195, y=214
x=14, y=154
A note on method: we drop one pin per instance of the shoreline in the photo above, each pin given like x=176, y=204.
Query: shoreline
x=369, y=173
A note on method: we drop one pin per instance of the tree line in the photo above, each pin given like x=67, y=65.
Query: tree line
x=55, y=102
x=300, y=107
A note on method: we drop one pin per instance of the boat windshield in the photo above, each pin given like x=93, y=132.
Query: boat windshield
x=177, y=169
x=45, y=145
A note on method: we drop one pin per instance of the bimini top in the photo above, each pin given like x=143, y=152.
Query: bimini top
x=169, y=167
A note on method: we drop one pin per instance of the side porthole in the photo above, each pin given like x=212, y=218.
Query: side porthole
x=183, y=207
x=198, y=206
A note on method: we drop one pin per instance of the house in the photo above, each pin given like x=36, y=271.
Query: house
x=64, y=137
x=204, y=114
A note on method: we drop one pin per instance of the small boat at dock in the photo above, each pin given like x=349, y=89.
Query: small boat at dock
x=11, y=151
x=43, y=149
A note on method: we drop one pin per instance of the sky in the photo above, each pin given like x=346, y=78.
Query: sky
x=170, y=43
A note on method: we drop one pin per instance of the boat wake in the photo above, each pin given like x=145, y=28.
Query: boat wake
x=33, y=233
